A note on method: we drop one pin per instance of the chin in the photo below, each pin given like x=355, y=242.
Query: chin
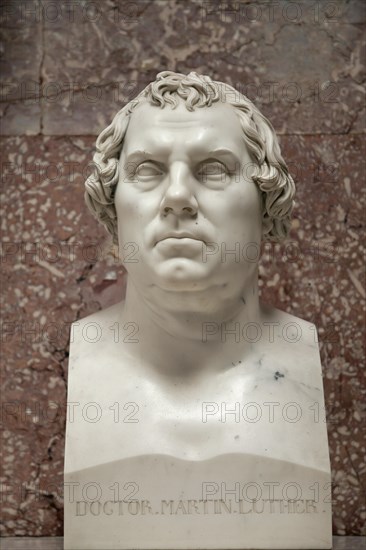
x=183, y=275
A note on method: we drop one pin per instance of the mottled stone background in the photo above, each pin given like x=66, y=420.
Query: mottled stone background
x=67, y=68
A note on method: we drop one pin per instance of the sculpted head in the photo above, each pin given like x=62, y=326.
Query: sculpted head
x=186, y=167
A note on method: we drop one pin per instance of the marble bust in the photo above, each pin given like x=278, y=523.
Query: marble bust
x=196, y=413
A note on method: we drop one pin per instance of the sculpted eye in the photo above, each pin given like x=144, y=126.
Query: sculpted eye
x=146, y=175
x=213, y=171
x=148, y=169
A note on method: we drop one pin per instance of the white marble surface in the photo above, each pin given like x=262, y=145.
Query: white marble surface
x=275, y=390
x=169, y=452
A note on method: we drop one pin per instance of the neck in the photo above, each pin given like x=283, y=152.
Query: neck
x=188, y=332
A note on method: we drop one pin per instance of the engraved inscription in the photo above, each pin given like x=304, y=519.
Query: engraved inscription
x=194, y=507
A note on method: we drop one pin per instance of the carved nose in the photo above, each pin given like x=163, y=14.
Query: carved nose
x=179, y=197
x=186, y=209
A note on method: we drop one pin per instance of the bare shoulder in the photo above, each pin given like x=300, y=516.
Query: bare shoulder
x=102, y=317
x=292, y=329
x=293, y=347
x=97, y=345
x=98, y=329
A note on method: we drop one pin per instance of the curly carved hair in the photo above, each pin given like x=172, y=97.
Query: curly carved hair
x=271, y=173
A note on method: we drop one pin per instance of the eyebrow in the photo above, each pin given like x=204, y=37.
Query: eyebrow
x=222, y=151
x=138, y=154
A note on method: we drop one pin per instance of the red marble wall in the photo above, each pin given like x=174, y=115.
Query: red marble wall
x=67, y=68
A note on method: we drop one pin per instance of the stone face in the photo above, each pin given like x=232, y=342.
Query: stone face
x=64, y=81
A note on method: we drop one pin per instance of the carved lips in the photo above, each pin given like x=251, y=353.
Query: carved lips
x=179, y=235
